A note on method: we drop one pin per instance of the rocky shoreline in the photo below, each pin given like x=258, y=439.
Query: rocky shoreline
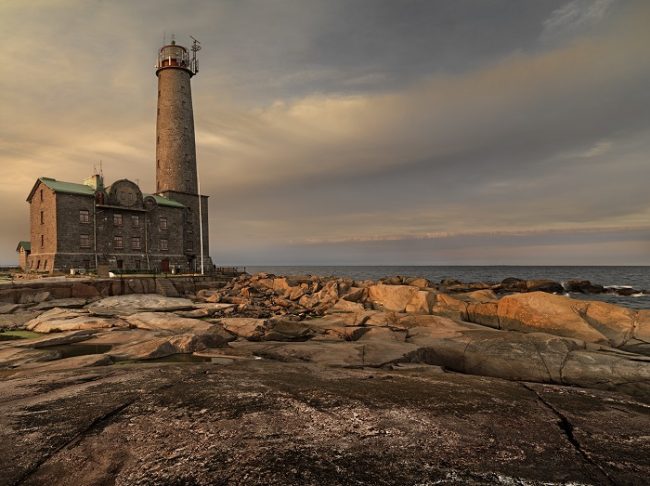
x=575, y=374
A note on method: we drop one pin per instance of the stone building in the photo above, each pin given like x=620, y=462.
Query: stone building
x=83, y=225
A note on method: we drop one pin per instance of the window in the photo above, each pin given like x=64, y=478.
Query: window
x=84, y=241
x=42, y=218
x=163, y=245
x=41, y=197
x=189, y=245
x=38, y=265
x=84, y=216
x=118, y=242
x=163, y=223
x=135, y=220
x=45, y=265
x=42, y=240
x=135, y=243
x=117, y=219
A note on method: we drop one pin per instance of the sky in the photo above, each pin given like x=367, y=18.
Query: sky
x=366, y=132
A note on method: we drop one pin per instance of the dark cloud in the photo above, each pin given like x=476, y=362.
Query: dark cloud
x=324, y=122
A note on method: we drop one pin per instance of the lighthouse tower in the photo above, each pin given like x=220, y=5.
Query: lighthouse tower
x=176, y=170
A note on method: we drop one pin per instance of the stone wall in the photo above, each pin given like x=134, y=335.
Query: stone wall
x=175, y=146
x=192, y=229
x=42, y=256
x=26, y=292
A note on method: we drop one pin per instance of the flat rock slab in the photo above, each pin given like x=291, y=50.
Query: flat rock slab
x=73, y=303
x=259, y=422
x=124, y=305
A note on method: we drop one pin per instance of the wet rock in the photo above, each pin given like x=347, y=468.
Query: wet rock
x=544, y=285
x=583, y=287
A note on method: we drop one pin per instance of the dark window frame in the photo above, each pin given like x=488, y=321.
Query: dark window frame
x=84, y=238
x=118, y=242
x=84, y=216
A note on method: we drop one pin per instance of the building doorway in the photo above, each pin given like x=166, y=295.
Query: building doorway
x=164, y=265
x=120, y=264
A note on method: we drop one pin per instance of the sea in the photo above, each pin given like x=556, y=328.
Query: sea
x=636, y=277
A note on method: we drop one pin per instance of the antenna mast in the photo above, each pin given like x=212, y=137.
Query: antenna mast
x=196, y=47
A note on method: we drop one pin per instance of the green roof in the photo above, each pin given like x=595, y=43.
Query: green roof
x=25, y=245
x=163, y=201
x=68, y=187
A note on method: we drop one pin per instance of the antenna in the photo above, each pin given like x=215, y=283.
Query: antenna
x=196, y=47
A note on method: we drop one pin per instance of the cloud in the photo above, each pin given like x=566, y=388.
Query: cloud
x=575, y=17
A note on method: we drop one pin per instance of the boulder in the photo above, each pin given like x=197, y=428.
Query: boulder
x=448, y=306
x=554, y=314
x=420, y=282
x=485, y=313
x=583, y=287
x=392, y=297
x=286, y=330
x=244, y=327
x=421, y=303
x=295, y=293
x=121, y=305
x=544, y=285
x=346, y=306
x=356, y=294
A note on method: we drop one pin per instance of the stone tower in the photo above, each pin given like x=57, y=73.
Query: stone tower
x=176, y=171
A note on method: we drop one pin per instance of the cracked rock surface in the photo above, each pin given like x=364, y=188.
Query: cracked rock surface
x=263, y=422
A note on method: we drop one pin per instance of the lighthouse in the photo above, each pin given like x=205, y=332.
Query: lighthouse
x=176, y=168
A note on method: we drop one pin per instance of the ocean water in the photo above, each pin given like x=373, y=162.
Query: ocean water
x=621, y=276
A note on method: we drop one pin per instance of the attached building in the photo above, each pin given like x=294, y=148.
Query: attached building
x=85, y=225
